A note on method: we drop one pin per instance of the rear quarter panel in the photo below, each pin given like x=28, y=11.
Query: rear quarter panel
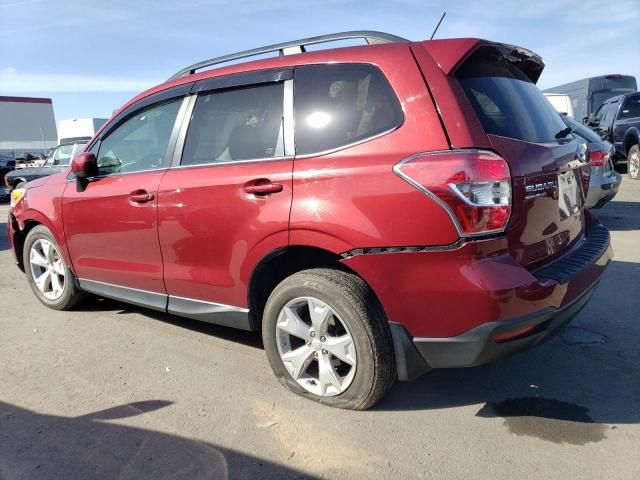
x=351, y=198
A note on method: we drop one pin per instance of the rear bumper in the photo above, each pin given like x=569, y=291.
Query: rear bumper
x=505, y=307
x=479, y=345
x=602, y=190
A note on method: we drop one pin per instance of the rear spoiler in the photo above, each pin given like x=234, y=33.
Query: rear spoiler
x=449, y=54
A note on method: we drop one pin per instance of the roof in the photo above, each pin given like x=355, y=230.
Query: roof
x=25, y=100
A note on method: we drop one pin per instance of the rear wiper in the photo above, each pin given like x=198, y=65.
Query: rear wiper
x=563, y=133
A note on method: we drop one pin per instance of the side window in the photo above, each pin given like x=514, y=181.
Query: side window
x=232, y=125
x=631, y=108
x=140, y=142
x=336, y=105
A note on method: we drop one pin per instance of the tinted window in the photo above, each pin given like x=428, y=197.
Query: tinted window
x=631, y=107
x=236, y=125
x=336, y=105
x=140, y=142
x=505, y=100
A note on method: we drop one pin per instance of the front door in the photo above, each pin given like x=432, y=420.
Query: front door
x=111, y=225
x=227, y=203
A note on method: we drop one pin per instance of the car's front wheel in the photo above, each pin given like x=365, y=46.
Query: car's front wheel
x=328, y=339
x=49, y=277
x=633, y=162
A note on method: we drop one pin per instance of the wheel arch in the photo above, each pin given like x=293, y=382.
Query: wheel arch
x=19, y=238
x=282, y=263
x=631, y=138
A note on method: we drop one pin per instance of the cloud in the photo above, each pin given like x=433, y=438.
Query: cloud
x=12, y=80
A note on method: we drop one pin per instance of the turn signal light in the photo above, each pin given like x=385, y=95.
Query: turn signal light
x=473, y=186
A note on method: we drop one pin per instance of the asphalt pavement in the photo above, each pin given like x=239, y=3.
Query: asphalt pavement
x=114, y=391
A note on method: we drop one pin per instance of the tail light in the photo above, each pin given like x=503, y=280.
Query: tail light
x=473, y=186
x=599, y=158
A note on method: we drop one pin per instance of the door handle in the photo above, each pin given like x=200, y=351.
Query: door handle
x=141, y=196
x=263, y=188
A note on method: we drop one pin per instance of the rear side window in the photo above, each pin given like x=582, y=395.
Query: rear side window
x=337, y=105
x=235, y=125
x=506, y=101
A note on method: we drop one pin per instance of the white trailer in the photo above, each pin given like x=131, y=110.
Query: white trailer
x=561, y=102
x=75, y=129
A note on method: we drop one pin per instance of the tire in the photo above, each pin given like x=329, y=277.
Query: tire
x=68, y=294
x=19, y=185
x=633, y=162
x=369, y=368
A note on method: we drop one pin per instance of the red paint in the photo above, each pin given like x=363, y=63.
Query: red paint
x=213, y=233
x=111, y=238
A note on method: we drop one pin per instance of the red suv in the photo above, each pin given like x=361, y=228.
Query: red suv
x=376, y=211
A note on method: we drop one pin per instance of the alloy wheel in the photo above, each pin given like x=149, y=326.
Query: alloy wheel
x=634, y=165
x=47, y=269
x=316, y=346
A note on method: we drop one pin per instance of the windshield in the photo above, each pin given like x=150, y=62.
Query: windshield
x=63, y=154
x=506, y=101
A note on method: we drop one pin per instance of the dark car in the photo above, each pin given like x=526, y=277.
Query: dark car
x=7, y=164
x=618, y=121
x=425, y=209
x=604, y=181
x=57, y=161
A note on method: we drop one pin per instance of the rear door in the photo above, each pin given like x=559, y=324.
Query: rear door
x=226, y=201
x=111, y=225
x=549, y=167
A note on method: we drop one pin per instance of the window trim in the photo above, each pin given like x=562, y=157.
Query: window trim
x=287, y=115
x=168, y=155
x=160, y=97
x=363, y=140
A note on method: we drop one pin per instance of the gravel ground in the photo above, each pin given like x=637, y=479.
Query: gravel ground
x=113, y=391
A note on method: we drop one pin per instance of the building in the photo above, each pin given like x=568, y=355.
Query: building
x=27, y=125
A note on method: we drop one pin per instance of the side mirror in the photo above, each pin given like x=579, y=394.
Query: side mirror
x=84, y=165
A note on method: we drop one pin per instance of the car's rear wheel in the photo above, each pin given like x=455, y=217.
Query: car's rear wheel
x=49, y=277
x=327, y=339
x=633, y=162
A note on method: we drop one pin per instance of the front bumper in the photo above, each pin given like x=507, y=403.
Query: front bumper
x=502, y=315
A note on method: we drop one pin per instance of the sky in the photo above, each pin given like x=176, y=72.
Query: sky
x=90, y=56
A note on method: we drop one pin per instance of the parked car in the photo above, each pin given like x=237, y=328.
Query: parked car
x=7, y=164
x=392, y=229
x=604, y=181
x=618, y=121
x=57, y=161
x=28, y=160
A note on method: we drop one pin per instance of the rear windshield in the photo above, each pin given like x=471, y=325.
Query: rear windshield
x=506, y=101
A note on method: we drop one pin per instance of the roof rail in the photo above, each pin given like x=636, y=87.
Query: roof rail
x=295, y=46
